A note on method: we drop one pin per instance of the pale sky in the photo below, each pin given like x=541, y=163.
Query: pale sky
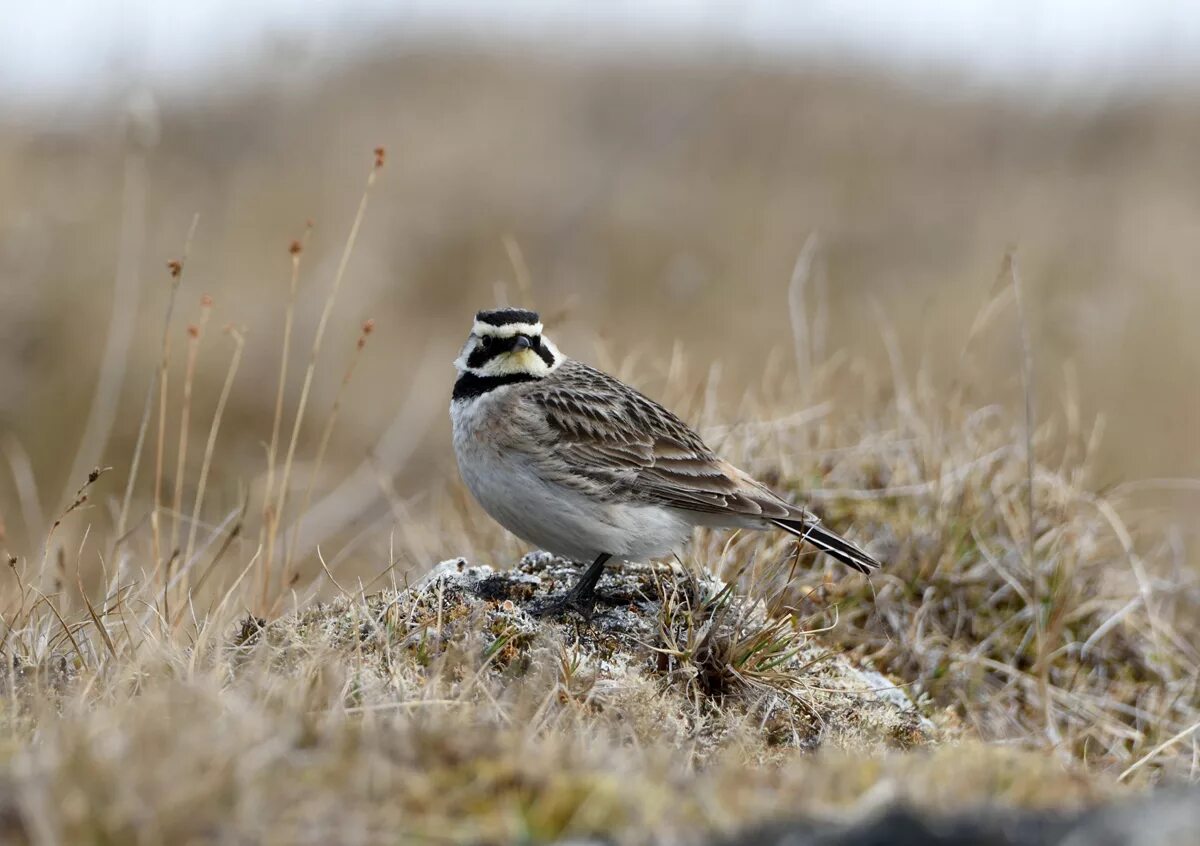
x=70, y=49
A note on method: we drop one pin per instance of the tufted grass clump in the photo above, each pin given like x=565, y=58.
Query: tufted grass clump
x=212, y=673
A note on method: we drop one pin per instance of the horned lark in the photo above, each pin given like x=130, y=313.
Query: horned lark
x=582, y=465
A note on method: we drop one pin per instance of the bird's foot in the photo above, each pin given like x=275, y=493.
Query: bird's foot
x=582, y=603
x=581, y=598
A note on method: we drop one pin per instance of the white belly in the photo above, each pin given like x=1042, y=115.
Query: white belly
x=553, y=517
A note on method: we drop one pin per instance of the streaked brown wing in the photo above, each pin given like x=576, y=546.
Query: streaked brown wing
x=627, y=445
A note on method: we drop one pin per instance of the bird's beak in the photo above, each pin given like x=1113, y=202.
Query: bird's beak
x=522, y=343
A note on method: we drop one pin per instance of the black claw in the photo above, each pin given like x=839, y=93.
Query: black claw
x=581, y=598
x=584, y=606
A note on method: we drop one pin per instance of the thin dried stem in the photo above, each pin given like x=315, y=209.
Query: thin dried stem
x=80, y=499
x=798, y=306
x=234, y=362
x=159, y=444
x=314, y=355
x=144, y=425
x=326, y=433
x=195, y=335
x=1042, y=644
x=520, y=271
x=270, y=518
x=1149, y=756
x=123, y=318
x=27, y=489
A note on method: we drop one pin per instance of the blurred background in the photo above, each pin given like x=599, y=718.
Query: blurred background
x=645, y=174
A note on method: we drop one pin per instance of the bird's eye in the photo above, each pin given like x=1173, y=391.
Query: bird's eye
x=485, y=342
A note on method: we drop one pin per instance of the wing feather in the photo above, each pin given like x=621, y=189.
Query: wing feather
x=630, y=446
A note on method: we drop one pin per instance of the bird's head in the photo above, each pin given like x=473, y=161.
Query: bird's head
x=508, y=342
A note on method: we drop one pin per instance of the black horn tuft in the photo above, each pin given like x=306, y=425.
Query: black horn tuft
x=505, y=316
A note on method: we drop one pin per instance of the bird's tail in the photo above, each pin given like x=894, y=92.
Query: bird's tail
x=829, y=542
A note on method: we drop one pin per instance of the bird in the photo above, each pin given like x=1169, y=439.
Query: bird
x=581, y=465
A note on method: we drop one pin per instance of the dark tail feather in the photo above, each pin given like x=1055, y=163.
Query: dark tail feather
x=830, y=543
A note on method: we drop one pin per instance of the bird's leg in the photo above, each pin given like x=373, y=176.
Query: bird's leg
x=581, y=597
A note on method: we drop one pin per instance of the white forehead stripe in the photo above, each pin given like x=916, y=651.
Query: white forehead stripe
x=507, y=330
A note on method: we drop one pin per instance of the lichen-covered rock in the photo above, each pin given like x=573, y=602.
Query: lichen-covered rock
x=685, y=655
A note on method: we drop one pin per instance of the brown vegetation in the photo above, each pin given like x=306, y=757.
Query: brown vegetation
x=171, y=674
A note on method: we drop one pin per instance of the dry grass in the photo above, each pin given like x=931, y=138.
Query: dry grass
x=409, y=715
x=1091, y=651
x=1045, y=626
x=686, y=188
x=146, y=705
